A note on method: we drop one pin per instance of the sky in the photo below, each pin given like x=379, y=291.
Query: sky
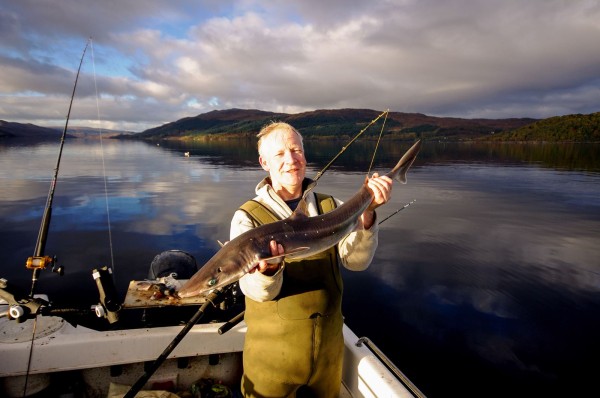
x=152, y=62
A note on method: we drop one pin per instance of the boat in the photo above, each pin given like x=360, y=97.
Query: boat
x=44, y=353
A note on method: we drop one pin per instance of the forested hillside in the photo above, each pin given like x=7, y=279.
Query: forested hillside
x=344, y=123
x=329, y=123
x=570, y=128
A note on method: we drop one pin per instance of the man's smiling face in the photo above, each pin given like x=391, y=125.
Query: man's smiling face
x=282, y=155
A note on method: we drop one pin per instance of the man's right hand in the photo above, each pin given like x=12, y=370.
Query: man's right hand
x=270, y=269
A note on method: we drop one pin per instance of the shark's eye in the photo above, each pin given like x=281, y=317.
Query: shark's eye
x=212, y=282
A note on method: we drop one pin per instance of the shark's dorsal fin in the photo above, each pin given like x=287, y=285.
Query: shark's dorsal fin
x=302, y=208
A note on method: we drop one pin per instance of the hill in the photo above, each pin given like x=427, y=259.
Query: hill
x=328, y=123
x=92, y=132
x=569, y=128
x=27, y=131
x=31, y=132
x=230, y=121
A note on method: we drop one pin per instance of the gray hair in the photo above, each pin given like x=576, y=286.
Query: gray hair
x=275, y=126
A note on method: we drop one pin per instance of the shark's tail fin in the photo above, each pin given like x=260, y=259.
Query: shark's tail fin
x=399, y=171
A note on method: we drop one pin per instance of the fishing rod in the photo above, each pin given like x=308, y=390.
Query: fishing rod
x=40, y=261
x=397, y=211
x=213, y=298
x=328, y=165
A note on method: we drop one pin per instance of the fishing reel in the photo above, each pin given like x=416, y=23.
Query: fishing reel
x=43, y=262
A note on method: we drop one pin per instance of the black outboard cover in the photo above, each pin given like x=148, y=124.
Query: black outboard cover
x=184, y=266
x=177, y=262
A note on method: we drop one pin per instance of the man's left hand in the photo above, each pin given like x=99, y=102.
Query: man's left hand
x=381, y=188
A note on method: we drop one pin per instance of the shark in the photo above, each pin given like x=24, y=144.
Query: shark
x=300, y=235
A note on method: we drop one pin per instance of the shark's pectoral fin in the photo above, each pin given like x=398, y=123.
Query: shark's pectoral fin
x=291, y=254
x=274, y=259
x=296, y=252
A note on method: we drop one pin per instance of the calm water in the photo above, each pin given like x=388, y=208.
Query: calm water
x=488, y=285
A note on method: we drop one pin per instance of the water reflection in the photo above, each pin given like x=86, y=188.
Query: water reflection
x=491, y=275
x=564, y=156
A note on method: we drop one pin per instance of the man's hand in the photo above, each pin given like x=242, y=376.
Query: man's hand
x=270, y=269
x=381, y=188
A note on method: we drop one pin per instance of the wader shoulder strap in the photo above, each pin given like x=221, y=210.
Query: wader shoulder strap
x=326, y=203
x=258, y=212
x=261, y=214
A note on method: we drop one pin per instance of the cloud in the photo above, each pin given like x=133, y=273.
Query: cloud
x=158, y=61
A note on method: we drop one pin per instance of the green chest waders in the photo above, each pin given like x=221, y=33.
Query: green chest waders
x=296, y=339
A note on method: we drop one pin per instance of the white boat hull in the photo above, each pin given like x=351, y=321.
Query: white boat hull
x=118, y=356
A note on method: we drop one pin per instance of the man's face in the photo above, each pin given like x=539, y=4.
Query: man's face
x=282, y=155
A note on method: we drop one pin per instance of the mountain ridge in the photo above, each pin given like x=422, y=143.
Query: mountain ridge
x=327, y=123
x=343, y=123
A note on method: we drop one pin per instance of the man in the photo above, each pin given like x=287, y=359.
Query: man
x=294, y=344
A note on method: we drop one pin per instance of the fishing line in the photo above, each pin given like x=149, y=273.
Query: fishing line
x=377, y=144
x=110, y=240
x=324, y=169
x=38, y=257
x=371, y=166
x=33, y=329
